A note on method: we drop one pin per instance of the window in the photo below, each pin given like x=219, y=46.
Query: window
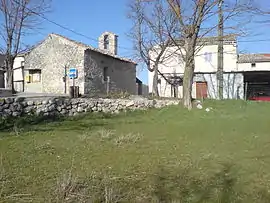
x=253, y=65
x=208, y=57
x=106, y=42
x=35, y=75
x=105, y=73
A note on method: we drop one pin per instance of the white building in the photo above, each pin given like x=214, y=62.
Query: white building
x=205, y=80
x=18, y=76
x=244, y=75
x=256, y=73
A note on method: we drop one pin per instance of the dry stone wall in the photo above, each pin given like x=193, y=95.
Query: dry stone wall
x=64, y=106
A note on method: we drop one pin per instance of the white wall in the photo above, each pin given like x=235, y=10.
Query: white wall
x=205, y=62
x=17, y=72
x=233, y=85
x=260, y=66
x=205, y=59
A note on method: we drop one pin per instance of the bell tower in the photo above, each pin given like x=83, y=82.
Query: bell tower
x=108, y=41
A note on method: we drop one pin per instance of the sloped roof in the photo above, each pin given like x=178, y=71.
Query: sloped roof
x=253, y=58
x=86, y=46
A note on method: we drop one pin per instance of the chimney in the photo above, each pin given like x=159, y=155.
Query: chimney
x=108, y=41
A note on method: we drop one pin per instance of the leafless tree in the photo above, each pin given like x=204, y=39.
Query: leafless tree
x=18, y=18
x=197, y=19
x=151, y=22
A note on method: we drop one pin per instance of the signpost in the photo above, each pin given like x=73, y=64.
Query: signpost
x=73, y=74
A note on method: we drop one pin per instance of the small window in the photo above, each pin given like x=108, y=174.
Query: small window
x=105, y=73
x=208, y=56
x=35, y=75
x=106, y=42
x=253, y=65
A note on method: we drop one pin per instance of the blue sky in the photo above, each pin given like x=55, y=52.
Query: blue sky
x=92, y=17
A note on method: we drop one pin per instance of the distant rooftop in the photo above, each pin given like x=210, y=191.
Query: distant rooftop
x=253, y=58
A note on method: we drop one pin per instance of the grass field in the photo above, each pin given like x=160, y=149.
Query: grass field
x=167, y=155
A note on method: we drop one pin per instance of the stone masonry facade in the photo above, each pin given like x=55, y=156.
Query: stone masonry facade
x=56, y=52
x=51, y=56
x=16, y=107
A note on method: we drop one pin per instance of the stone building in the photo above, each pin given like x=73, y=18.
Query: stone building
x=46, y=68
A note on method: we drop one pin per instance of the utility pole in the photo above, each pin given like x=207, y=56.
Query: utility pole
x=220, y=50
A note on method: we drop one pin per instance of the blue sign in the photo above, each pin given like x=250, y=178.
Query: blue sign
x=73, y=73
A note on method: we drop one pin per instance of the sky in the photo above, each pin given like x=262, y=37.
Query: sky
x=92, y=17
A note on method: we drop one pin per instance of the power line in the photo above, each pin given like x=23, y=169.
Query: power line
x=66, y=28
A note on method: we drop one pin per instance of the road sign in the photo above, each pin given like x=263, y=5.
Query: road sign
x=73, y=73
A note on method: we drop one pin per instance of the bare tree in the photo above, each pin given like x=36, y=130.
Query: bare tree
x=19, y=17
x=197, y=19
x=151, y=22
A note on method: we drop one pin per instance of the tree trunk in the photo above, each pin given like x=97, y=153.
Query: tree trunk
x=155, y=83
x=9, y=74
x=187, y=84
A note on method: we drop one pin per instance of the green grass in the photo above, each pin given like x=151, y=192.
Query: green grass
x=166, y=155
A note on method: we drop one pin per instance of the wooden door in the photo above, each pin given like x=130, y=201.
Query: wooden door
x=201, y=90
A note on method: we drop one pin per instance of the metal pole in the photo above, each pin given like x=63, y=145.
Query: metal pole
x=220, y=50
x=73, y=80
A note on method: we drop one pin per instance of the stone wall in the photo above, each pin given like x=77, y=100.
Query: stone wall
x=65, y=106
x=122, y=74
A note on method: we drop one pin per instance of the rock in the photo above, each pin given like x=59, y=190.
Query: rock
x=12, y=107
x=16, y=114
x=45, y=102
x=129, y=104
x=38, y=103
x=28, y=109
x=9, y=100
x=7, y=112
x=24, y=104
x=59, y=108
x=199, y=106
x=38, y=112
x=51, y=108
x=19, y=99
x=80, y=109
x=64, y=111
x=5, y=106
x=51, y=101
x=30, y=103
